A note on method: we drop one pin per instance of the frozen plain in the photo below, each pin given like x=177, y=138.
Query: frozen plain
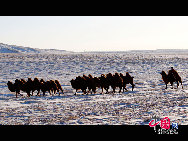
x=149, y=98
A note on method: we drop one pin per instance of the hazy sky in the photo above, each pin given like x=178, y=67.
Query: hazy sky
x=95, y=33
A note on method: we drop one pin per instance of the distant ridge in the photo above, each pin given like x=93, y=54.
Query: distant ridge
x=5, y=48
x=157, y=51
x=163, y=51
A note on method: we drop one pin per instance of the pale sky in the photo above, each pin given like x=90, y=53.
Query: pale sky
x=95, y=33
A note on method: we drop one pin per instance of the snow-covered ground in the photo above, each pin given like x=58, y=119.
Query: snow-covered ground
x=149, y=98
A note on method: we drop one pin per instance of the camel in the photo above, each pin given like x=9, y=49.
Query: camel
x=171, y=77
x=79, y=83
x=59, y=87
x=104, y=83
x=127, y=80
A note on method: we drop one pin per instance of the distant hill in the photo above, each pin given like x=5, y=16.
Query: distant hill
x=162, y=51
x=4, y=48
x=157, y=51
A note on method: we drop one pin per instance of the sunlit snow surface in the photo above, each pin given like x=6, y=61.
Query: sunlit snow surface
x=149, y=98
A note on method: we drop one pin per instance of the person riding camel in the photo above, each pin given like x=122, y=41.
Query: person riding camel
x=173, y=72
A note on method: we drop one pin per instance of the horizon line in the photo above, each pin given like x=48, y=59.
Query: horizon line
x=85, y=51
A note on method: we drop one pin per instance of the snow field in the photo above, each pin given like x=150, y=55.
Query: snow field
x=149, y=98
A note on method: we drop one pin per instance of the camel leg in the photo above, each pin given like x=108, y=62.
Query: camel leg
x=114, y=89
x=166, y=86
x=84, y=91
x=181, y=84
x=132, y=86
x=38, y=92
x=94, y=90
x=58, y=92
x=90, y=91
x=28, y=94
x=62, y=91
x=49, y=92
x=18, y=92
x=177, y=84
x=120, y=89
x=44, y=93
x=106, y=90
x=76, y=92
x=125, y=88
x=32, y=93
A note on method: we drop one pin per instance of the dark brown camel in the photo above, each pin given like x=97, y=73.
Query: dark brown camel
x=104, y=83
x=118, y=82
x=127, y=80
x=172, y=77
x=59, y=87
x=79, y=83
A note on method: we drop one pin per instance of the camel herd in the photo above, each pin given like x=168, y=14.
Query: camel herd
x=104, y=82
x=87, y=84
x=52, y=86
